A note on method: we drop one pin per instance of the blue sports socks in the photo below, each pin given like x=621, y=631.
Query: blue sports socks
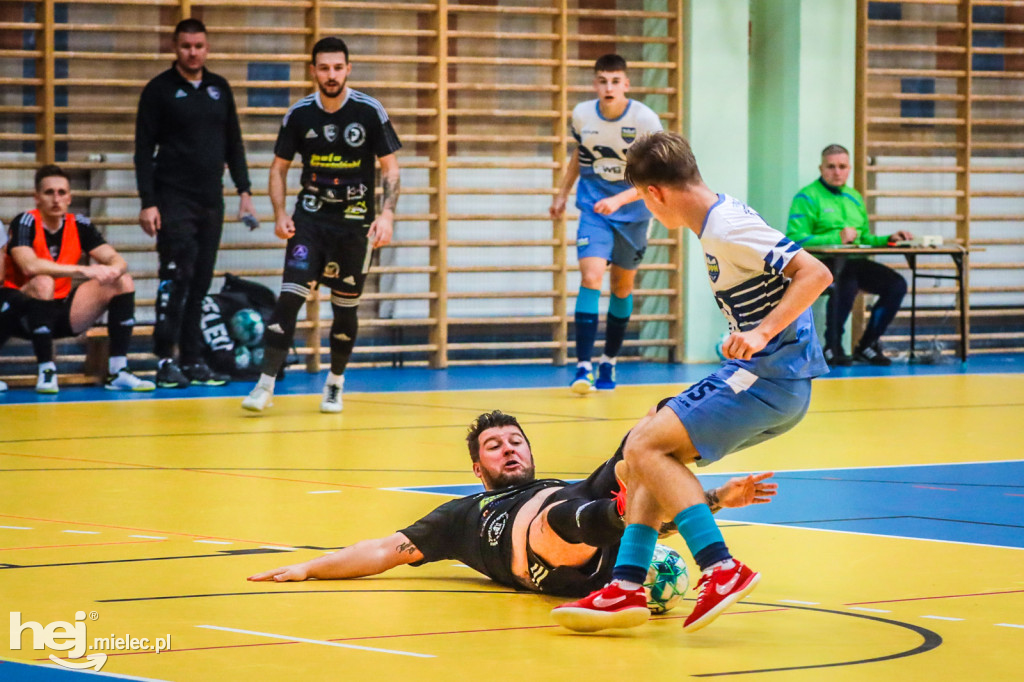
x=586, y=322
x=704, y=539
x=635, y=553
x=619, y=310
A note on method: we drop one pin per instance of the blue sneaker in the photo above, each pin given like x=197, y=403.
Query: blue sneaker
x=583, y=382
x=605, y=377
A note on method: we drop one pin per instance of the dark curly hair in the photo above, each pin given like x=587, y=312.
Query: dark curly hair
x=489, y=420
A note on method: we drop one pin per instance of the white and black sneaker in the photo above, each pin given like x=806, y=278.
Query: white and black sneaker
x=126, y=381
x=47, y=382
x=331, y=402
x=873, y=355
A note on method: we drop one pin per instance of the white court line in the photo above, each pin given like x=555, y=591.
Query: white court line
x=797, y=601
x=941, y=618
x=214, y=542
x=289, y=638
x=1009, y=625
x=149, y=537
x=870, y=535
x=861, y=608
x=283, y=549
x=82, y=532
x=321, y=492
x=16, y=527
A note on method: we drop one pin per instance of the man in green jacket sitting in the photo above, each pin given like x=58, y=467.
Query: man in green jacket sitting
x=828, y=213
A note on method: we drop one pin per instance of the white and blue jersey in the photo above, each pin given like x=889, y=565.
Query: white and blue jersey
x=602, y=152
x=745, y=258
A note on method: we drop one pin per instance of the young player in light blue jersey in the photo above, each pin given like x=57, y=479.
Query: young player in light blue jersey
x=613, y=222
x=765, y=285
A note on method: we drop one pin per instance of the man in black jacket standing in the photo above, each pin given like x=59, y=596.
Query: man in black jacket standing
x=185, y=132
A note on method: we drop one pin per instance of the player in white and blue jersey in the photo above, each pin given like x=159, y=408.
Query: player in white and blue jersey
x=613, y=222
x=764, y=285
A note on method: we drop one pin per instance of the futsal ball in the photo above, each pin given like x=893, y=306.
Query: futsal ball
x=246, y=327
x=667, y=580
x=243, y=358
x=257, y=356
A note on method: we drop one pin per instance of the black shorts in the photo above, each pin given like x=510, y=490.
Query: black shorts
x=337, y=256
x=14, y=316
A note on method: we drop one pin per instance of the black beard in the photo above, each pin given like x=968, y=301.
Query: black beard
x=504, y=480
x=335, y=93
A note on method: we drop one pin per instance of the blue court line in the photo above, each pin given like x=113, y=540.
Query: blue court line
x=14, y=671
x=464, y=378
x=980, y=503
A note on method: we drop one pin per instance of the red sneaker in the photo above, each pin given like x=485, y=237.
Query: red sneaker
x=720, y=589
x=609, y=607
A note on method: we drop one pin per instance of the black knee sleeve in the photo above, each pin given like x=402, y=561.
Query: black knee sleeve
x=170, y=299
x=280, y=331
x=592, y=522
x=344, y=329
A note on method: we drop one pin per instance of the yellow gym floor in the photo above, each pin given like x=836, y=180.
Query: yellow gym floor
x=147, y=515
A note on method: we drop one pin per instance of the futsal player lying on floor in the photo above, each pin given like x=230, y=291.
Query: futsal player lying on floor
x=542, y=535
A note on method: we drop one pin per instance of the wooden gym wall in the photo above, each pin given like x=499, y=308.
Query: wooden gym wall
x=479, y=92
x=940, y=147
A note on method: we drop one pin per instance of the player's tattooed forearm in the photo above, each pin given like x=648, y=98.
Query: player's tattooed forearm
x=390, y=191
x=407, y=547
x=711, y=497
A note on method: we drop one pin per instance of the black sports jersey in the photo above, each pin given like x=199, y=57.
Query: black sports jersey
x=193, y=133
x=476, y=530
x=338, y=151
x=23, y=233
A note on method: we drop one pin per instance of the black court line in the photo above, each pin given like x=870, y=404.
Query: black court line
x=959, y=484
x=894, y=518
x=294, y=592
x=932, y=640
x=222, y=553
x=151, y=469
x=556, y=419
x=276, y=432
x=911, y=408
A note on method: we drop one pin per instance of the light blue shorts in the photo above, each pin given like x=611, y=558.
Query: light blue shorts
x=733, y=409
x=620, y=243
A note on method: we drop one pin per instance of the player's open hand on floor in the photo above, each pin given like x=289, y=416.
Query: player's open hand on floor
x=284, y=574
x=744, y=490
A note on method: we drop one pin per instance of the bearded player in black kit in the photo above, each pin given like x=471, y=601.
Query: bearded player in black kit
x=339, y=132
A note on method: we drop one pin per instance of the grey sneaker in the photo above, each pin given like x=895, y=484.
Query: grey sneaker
x=258, y=399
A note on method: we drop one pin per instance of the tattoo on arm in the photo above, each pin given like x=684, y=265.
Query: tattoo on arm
x=407, y=547
x=711, y=497
x=389, y=195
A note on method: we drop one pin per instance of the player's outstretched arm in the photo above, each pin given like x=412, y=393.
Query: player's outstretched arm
x=743, y=490
x=367, y=557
